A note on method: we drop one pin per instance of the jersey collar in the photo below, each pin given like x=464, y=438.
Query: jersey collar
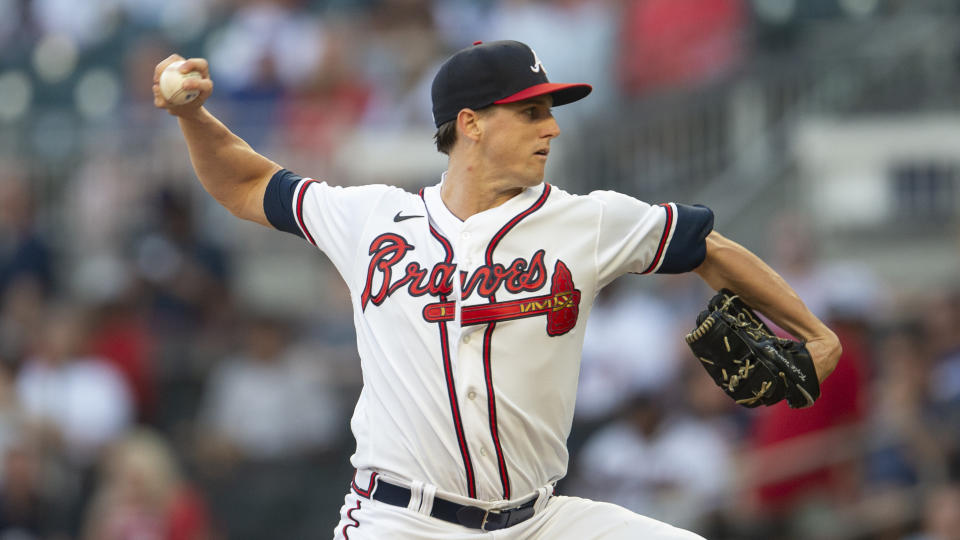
x=451, y=226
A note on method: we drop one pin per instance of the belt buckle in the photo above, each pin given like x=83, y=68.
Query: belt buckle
x=486, y=514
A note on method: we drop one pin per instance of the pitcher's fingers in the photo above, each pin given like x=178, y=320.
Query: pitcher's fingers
x=196, y=64
x=163, y=65
x=157, y=98
x=205, y=86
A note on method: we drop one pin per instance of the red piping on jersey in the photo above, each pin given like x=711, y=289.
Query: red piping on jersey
x=663, y=239
x=300, y=222
x=455, y=411
x=355, y=524
x=506, y=228
x=448, y=374
x=367, y=492
x=492, y=405
x=487, y=337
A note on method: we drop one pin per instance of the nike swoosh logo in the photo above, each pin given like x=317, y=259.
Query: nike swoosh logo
x=535, y=69
x=398, y=218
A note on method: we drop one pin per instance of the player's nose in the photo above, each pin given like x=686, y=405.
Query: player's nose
x=551, y=129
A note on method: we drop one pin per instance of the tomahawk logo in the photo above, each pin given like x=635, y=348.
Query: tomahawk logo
x=537, y=64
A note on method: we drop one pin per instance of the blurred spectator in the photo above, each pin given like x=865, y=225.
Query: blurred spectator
x=668, y=466
x=85, y=23
x=102, y=206
x=187, y=275
x=28, y=506
x=11, y=19
x=270, y=437
x=845, y=290
x=792, y=242
x=11, y=421
x=141, y=495
x=316, y=118
x=29, y=509
x=122, y=337
x=459, y=22
x=184, y=286
x=268, y=403
x=76, y=403
x=267, y=49
x=904, y=447
x=191, y=16
x=24, y=252
x=671, y=44
x=399, y=62
x=941, y=322
x=266, y=46
x=941, y=514
x=624, y=351
x=21, y=317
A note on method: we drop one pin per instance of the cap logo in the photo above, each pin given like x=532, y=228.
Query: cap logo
x=537, y=64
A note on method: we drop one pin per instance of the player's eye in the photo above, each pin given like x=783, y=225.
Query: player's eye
x=537, y=113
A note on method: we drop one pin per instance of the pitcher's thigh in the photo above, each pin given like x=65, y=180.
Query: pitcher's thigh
x=581, y=519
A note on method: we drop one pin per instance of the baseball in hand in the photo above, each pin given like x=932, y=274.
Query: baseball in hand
x=171, y=84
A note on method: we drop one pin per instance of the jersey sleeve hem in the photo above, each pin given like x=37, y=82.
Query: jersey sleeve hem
x=278, y=202
x=683, y=246
x=669, y=224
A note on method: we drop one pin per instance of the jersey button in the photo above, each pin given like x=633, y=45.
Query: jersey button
x=483, y=452
x=472, y=395
x=466, y=338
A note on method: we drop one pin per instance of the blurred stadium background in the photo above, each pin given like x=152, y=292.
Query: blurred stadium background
x=170, y=372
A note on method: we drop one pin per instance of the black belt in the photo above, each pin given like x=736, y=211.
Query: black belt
x=468, y=516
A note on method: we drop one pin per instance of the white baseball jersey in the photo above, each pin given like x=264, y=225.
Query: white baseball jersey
x=470, y=332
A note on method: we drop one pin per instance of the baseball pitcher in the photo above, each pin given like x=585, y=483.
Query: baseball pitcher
x=470, y=302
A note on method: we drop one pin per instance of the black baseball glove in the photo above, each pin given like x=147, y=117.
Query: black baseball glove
x=748, y=361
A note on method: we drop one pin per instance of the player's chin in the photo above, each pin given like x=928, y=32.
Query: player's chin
x=538, y=175
x=533, y=179
x=538, y=164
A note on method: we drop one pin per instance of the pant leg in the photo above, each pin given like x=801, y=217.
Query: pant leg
x=573, y=518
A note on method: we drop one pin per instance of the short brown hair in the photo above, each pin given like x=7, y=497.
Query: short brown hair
x=446, y=136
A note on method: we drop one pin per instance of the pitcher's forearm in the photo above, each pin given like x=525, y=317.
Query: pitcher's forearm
x=732, y=266
x=229, y=168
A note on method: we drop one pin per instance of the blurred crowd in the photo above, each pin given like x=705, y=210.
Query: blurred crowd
x=169, y=373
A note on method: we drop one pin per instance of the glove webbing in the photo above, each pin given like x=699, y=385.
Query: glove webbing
x=744, y=370
x=756, y=329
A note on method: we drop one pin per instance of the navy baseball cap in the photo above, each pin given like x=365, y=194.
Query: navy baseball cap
x=495, y=73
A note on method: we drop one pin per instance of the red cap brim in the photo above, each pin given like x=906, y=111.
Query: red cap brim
x=562, y=93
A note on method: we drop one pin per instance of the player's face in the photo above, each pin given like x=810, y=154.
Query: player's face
x=517, y=139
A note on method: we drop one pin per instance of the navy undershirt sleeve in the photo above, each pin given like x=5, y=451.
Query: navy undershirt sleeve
x=278, y=201
x=688, y=247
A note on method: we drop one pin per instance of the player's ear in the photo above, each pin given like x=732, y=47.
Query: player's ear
x=469, y=125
